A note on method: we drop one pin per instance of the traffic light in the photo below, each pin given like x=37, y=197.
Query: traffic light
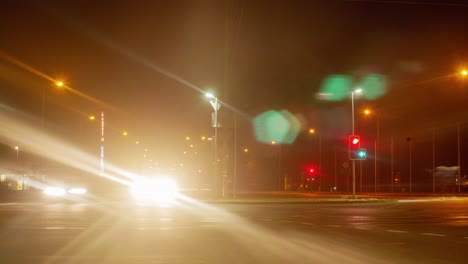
x=362, y=154
x=355, y=150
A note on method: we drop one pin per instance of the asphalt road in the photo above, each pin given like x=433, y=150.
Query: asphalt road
x=409, y=231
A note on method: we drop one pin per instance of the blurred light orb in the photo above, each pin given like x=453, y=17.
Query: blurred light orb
x=280, y=127
x=335, y=88
x=374, y=86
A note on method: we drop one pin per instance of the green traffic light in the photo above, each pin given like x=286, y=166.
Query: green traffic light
x=361, y=154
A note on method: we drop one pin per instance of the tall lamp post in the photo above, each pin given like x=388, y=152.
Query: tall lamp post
x=357, y=91
x=17, y=152
x=58, y=84
x=215, y=104
x=368, y=112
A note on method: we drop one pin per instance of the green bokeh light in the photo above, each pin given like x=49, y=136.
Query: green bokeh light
x=373, y=86
x=336, y=87
x=281, y=127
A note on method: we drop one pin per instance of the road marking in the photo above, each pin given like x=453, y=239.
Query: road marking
x=308, y=223
x=396, y=231
x=334, y=226
x=60, y=228
x=432, y=234
x=363, y=227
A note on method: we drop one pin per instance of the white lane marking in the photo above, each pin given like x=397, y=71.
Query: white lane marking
x=432, y=234
x=396, y=231
x=308, y=223
x=334, y=226
x=60, y=228
x=363, y=227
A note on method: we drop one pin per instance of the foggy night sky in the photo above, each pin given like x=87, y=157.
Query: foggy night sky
x=254, y=55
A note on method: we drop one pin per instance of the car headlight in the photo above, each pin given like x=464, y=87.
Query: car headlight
x=160, y=191
x=54, y=191
x=77, y=190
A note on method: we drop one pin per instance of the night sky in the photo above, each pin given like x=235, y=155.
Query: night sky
x=254, y=55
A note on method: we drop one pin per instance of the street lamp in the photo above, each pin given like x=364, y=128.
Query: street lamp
x=17, y=152
x=357, y=91
x=313, y=132
x=58, y=84
x=368, y=112
x=214, y=103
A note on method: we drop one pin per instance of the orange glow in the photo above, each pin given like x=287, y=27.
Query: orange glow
x=273, y=142
x=246, y=150
x=367, y=112
x=92, y=117
x=125, y=133
x=311, y=131
x=464, y=72
x=59, y=83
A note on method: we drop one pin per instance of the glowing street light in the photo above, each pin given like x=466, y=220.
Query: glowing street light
x=357, y=91
x=17, y=152
x=464, y=72
x=125, y=133
x=246, y=150
x=311, y=131
x=368, y=112
x=187, y=138
x=58, y=84
x=92, y=118
x=215, y=104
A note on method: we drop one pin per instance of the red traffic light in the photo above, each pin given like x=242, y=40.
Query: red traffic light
x=354, y=140
x=311, y=170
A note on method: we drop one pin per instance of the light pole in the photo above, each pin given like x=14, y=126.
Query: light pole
x=357, y=91
x=312, y=132
x=214, y=103
x=17, y=152
x=58, y=84
x=368, y=112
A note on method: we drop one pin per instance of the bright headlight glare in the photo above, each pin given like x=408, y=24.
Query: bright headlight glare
x=54, y=191
x=77, y=191
x=160, y=191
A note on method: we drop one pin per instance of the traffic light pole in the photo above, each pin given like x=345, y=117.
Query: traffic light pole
x=354, y=162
